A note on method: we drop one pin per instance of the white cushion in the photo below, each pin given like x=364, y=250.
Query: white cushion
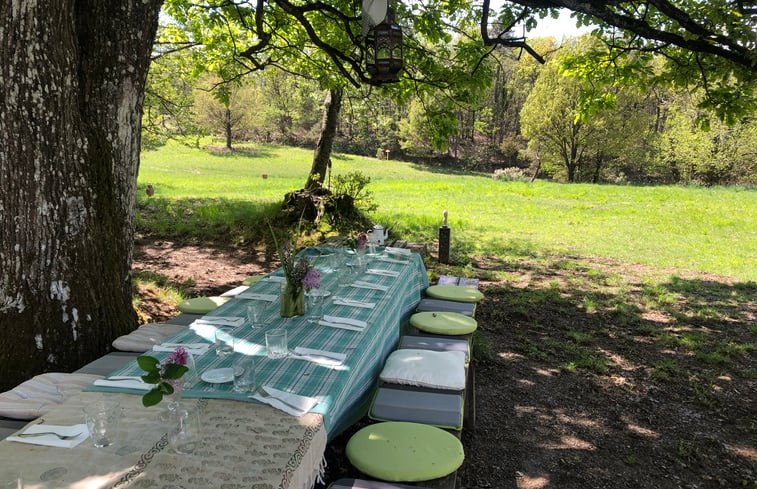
x=424, y=368
x=40, y=394
x=146, y=336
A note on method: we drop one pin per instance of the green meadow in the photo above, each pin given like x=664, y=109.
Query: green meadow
x=205, y=196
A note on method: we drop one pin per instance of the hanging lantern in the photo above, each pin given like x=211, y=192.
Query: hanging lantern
x=383, y=54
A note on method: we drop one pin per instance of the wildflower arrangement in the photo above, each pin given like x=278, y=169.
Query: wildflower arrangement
x=300, y=276
x=165, y=375
x=359, y=242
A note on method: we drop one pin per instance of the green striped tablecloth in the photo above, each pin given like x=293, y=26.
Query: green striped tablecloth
x=339, y=389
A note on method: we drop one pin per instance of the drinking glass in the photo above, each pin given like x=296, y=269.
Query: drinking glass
x=345, y=275
x=185, y=435
x=276, y=343
x=102, y=418
x=224, y=341
x=190, y=377
x=244, y=375
x=315, y=306
x=255, y=312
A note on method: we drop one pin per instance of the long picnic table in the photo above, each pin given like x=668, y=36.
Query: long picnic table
x=245, y=443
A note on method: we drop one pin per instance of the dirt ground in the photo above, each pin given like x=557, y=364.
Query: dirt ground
x=589, y=374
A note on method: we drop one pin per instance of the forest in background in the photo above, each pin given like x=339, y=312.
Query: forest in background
x=531, y=121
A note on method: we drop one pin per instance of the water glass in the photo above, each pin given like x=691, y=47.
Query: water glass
x=244, y=375
x=315, y=306
x=276, y=343
x=102, y=418
x=224, y=341
x=190, y=377
x=255, y=312
x=345, y=275
x=185, y=435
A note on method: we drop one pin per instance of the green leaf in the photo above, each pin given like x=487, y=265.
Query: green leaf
x=174, y=371
x=152, y=377
x=152, y=398
x=147, y=363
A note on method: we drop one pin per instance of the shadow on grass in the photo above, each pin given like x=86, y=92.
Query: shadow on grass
x=591, y=377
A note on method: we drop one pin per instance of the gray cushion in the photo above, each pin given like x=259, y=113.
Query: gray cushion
x=146, y=336
x=436, y=343
x=184, y=319
x=108, y=363
x=428, y=406
x=428, y=304
x=40, y=394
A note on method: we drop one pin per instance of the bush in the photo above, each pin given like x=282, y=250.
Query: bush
x=349, y=199
x=511, y=174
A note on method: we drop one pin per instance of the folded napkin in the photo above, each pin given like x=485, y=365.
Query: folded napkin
x=256, y=296
x=393, y=260
x=124, y=382
x=384, y=273
x=341, y=301
x=193, y=348
x=221, y=320
x=339, y=325
x=368, y=285
x=343, y=320
x=235, y=291
x=276, y=278
x=322, y=357
x=52, y=440
x=398, y=251
x=289, y=403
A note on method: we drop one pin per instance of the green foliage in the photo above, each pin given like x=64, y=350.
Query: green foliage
x=160, y=375
x=349, y=200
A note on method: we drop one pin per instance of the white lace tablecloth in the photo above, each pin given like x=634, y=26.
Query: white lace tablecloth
x=245, y=445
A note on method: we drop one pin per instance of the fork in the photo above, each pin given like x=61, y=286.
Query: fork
x=265, y=395
x=62, y=437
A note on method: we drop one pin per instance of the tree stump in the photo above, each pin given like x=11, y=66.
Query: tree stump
x=306, y=203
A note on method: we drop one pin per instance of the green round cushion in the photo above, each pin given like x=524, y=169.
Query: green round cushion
x=201, y=305
x=253, y=280
x=454, y=293
x=400, y=451
x=449, y=323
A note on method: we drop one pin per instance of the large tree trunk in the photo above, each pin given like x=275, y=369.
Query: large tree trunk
x=72, y=80
x=331, y=106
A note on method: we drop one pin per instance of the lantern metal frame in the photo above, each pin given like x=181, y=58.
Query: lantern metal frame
x=383, y=53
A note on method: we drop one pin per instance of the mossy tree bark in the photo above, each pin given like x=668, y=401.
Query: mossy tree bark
x=73, y=77
x=331, y=107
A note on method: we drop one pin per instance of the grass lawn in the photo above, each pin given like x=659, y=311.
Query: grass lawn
x=223, y=197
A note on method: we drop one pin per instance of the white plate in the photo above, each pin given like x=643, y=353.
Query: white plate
x=218, y=375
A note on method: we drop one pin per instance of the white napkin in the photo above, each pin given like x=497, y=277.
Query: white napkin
x=342, y=320
x=393, y=260
x=221, y=320
x=235, y=291
x=322, y=357
x=52, y=440
x=340, y=325
x=292, y=403
x=193, y=348
x=276, y=278
x=367, y=285
x=124, y=382
x=256, y=296
x=340, y=301
x=398, y=251
x=385, y=273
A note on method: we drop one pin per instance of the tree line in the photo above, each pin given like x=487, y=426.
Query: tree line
x=531, y=119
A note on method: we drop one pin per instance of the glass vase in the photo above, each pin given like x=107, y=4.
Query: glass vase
x=172, y=401
x=292, y=301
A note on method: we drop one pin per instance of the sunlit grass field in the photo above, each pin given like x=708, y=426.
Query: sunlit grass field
x=212, y=197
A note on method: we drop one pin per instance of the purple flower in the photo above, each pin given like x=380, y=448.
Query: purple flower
x=312, y=280
x=362, y=239
x=178, y=356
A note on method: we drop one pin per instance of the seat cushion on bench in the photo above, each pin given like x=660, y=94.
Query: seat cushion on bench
x=364, y=484
x=441, y=322
x=454, y=293
x=425, y=368
x=400, y=403
x=435, y=343
x=108, y=363
x=184, y=319
x=398, y=451
x=436, y=305
x=40, y=394
x=146, y=336
x=201, y=305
